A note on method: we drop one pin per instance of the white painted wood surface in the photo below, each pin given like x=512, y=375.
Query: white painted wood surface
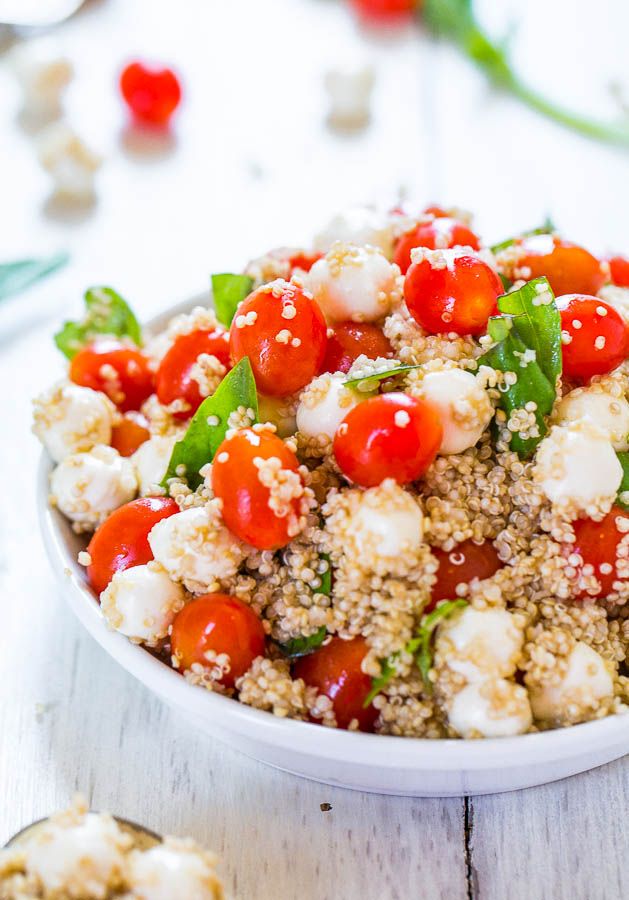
x=251, y=165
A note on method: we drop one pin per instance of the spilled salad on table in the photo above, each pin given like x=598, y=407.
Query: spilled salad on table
x=379, y=484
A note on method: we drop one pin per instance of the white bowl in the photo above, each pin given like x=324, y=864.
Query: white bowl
x=389, y=765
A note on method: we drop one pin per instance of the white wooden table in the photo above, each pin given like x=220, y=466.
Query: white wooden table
x=251, y=166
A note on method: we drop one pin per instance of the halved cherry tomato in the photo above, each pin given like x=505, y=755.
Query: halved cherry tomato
x=115, y=368
x=389, y=436
x=335, y=671
x=458, y=297
x=619, y=270
x=441, y=233
x=152, y=93
x=283, y=332
x=570, y=269
x=174, y=379
x=122, y=540
x=596, y=337
x=466, y=562
x=385, y=10
x=256, y=476
x=349, y=340
x=599, y=546
x=221, y=624
x=130, y=433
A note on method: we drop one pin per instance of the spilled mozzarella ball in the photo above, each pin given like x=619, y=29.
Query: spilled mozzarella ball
x=150, y=462
x=359, y=225
x=141, y=603
x=609, y=413
x=43, y=72
x=585, y=684
x=69, y=161
x=349, y=92
x=72, y=419
x=479, y=643
x=324, y=404
x=490, y=709
x=173, y=869
x=386, y=522
x=463, y=406
x=87, y=487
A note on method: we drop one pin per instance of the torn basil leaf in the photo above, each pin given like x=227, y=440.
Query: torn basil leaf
x=371, y=382
x=228, y=292
x=623, y=490
x=302, y=646
x=21, y=274
x=538, y=322
x=106, y=313
x=210, y=423
x=547, y=227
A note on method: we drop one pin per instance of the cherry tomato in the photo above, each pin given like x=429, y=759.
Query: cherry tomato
x=118, y=370
x=349, y=340
x=152, y=93
x=174, y=379
x=459, y=297
x=597, y=336
x=441, y=233
x=122, y=540
x=221, y=624
x=297, y=258
x=439, y=212
x=129, y=433
x=570, y=269
x=335, y=671
x=250, y=490
x=619, y=270
x=467, y=561
x=599, y=545
x=388, y=436
x=282, y=331
x=385, y=10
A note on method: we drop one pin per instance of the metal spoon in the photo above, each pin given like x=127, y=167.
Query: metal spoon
x=144, y=836
x=36, y=13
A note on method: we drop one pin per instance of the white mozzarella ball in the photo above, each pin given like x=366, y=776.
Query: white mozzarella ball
x=491, y=709
x=349, y=92
x=609, y=413
x=618, y=297
x=87, y=487
x=194, y=547
x=578, y=469
x=70, y=162
x=43, y=73
x=324, y=404
x=386, y=522
x=359, y=225
x=354, y=283
x=173, y=869
x=150, y=462
x=479, y=643
x=463, y=406
x=586, y=682
x=72, y=419
x=141, y=603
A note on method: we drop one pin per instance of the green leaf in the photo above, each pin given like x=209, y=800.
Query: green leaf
x=371, y=382
x=106, y=313
x=623, y=459
x=203, y=438
x=17, y=276
x=537, y=323
x=302, y=646
x=387, y=672
x=228, y=292
x=326, y=578
x=426, y=630
x=547, y=227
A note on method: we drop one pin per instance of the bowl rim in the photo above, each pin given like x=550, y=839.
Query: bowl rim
x=359, y=748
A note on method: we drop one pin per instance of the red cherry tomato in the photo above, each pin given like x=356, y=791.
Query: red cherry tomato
x=297, y=258
x=122, y=540
x=599, y=546
x=441, y=233
x=439, y=212
x=619, y=270
x=388, y=436
x=174, y=379
x=458, y=298
x=570, y=269
x=282, y=331
x=252, y=506
x=385, y=10
x=129, y=433
x=335, y=671
x=349, y=340
x=221, y=624
x=467, y=561
x=597, y=336
x=152, y=93
x=118, y=370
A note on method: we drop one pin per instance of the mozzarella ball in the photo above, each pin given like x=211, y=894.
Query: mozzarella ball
x=70, y=162
x=463, y=406
x=608, y=412
x=359, y=225
x=72, y=419
x=324, y=404
x=349, y=92
x=43, y=73
x=194, y=547
x=580, y=691
x=87, y=487
x=173, y=869
x=141, y=603
x=150, y=462
x=479, y=643
x=386, y=522
x=578, y=469
x=354, y=283
x=491, y=709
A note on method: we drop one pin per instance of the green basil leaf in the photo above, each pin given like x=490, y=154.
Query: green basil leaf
x=547, y=227
x=387, y=672
x=423, y=642
x=371, y=382
x=202, y=439
x=17, y=276
x=105, y=313
x=623, y=459
x=302, y=646
x=537, y=323
x=228, y=292
x=326, y=578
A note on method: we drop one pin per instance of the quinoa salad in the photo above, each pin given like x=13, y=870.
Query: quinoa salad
x=380, y=483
